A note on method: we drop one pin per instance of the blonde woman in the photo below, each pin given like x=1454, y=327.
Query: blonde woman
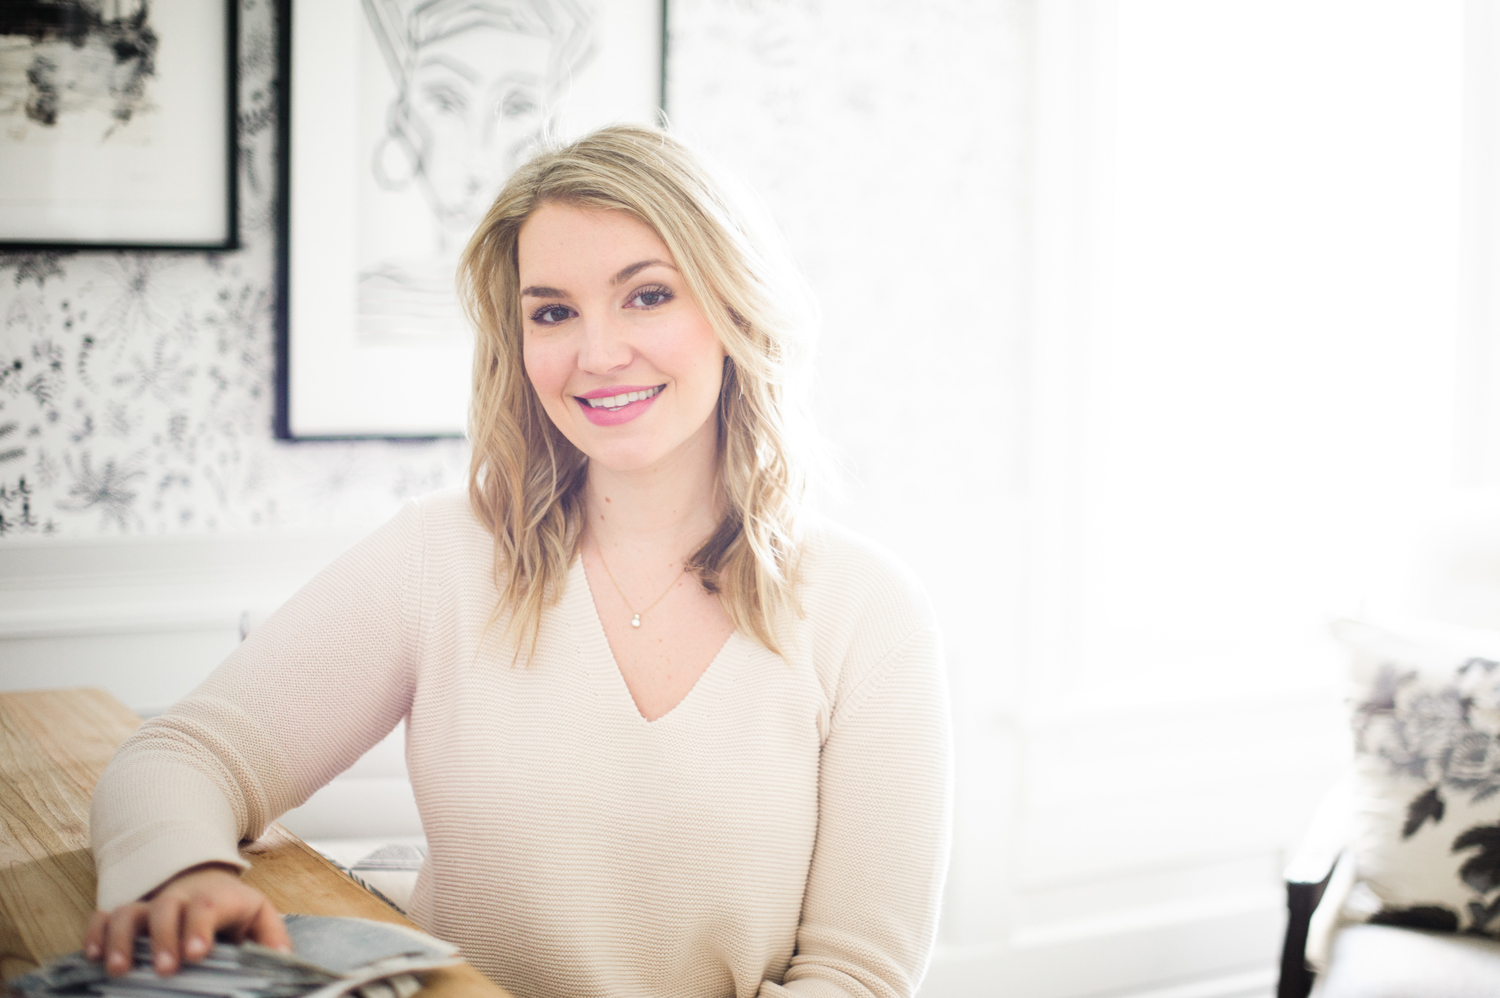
x=667, y=735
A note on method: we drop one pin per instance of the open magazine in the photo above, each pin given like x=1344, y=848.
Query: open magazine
x=331, y=957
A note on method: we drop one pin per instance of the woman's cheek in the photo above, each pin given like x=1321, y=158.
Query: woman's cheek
x=542, y=365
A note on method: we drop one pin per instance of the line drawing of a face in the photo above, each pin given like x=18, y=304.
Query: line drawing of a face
x=475, y=82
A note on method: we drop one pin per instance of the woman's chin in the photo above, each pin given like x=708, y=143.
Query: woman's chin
x=643, y=455
x=627, y=460
x=645, y=445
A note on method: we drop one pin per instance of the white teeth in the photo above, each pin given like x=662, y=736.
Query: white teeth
x=616, y=401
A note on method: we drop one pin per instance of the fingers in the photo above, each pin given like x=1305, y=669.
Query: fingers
x=125, y=923
x=199, y=923
x=93, y=939
x=166, y=931
x=183, y=917
x=268, y=929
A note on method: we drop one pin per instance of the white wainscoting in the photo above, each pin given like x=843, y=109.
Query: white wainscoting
x=144, y=618
x=148, y=618
x=1142, y=851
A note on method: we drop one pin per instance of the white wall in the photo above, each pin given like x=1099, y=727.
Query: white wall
x=1246, y=241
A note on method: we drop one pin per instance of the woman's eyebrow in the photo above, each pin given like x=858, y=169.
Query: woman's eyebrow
x=635, y=268
x=540, y=291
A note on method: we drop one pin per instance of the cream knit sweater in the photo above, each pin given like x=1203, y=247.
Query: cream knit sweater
x=783, y=829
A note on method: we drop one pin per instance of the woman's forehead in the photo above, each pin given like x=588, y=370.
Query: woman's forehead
x=586, y=243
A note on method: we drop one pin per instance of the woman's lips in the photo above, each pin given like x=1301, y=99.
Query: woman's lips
x=618, y=404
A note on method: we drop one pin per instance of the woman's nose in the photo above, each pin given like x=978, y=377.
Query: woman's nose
x=604, y=347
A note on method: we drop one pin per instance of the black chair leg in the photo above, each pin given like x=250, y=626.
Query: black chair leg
x=1301, y=898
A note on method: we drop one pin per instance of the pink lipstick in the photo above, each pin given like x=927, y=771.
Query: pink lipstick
x=618, y=403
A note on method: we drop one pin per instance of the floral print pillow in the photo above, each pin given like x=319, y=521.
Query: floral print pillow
x=1425, y=713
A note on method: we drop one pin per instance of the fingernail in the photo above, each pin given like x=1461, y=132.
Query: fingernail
x=285, y=947
x=117, y=960
x=91, y=950
x=196, y=947
x=163, y=962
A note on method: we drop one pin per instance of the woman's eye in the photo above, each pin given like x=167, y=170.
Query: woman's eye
x=551, y=315
x=651, y=297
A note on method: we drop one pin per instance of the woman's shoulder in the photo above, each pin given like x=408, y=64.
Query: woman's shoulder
x=446, y=509
x=859, y=605
x=439, y=525
x=842, y=566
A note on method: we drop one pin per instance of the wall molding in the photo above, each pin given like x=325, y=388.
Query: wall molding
x=145, y=618
x=138, y=585
x=1200, y=956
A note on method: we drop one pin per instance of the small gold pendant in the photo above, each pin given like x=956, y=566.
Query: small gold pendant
x=635, y=621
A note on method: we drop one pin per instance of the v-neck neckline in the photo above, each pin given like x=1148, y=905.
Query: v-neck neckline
x=593, y=646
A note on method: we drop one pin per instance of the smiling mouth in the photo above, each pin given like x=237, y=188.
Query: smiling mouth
x=620, y=401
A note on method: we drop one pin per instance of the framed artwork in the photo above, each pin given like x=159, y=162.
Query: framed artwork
x=400, y=121
x=117, y=124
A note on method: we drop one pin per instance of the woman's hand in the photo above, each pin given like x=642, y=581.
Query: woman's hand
x=182, y=917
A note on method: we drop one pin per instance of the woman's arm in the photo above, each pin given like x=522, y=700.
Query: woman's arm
x=327, y=676
x=884, y=824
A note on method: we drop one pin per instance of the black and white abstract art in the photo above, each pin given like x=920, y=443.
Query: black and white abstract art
x=427, y=108
x=137, y=389
x=117, y=123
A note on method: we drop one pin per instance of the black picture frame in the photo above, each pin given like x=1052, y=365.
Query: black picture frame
x=294, y=283
x=179, y=94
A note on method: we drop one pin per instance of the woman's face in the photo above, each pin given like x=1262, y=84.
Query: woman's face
x=621, y=356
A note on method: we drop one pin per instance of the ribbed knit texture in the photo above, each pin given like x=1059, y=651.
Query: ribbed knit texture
x=784, y=827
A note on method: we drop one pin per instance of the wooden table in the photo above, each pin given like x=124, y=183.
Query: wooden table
x=54, y=744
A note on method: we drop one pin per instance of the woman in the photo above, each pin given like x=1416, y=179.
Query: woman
x=666, y=737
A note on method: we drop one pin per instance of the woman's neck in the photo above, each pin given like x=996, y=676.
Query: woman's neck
x=668, y=509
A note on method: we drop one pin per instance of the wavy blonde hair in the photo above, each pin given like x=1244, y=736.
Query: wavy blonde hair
x=526, y=479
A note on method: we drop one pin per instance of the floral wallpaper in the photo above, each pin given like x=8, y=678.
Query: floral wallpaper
x=137, y=389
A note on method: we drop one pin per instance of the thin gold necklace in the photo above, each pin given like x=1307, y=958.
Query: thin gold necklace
x=635, y=621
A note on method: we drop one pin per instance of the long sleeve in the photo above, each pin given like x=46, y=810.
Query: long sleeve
x=327, y=676
x=870, y=912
